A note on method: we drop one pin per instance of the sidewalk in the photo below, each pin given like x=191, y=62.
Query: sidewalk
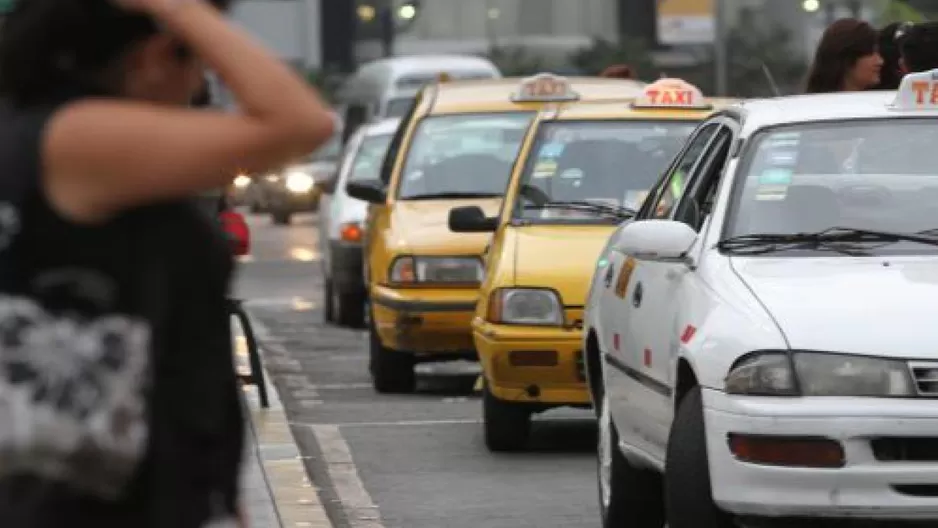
x=276, y=490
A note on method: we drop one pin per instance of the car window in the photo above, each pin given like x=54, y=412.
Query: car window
x=368, y=159
x=677, y=179
x=463, y=154
x=612, y=163
x=805, y=178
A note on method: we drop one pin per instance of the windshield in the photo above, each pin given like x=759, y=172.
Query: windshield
x=872, y=175
x=463, y=155
x=330, y=151
x=610, y=164
x=370, y=156
x=398, y=107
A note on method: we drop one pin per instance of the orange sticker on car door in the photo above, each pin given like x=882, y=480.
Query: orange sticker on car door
x=625, y=274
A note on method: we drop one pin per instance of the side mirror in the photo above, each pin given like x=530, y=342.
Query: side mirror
x=471, y=219
x=371, y=191
x=657, y=240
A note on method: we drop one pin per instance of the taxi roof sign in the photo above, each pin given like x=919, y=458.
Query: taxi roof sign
x=918, y=91
x=544, y=87
x=671, y=93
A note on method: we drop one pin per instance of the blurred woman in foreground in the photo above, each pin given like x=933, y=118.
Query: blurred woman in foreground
x=847, y=59
x=132, y=416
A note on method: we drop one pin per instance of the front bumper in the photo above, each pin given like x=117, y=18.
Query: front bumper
x=532, y=364
x=288, y=201
x=870, y=485
x=424, y=321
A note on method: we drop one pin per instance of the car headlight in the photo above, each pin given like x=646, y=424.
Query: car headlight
x=819, y=374
x=299, y=182
x=449, y=270
x=242, y=181
x=526, y=306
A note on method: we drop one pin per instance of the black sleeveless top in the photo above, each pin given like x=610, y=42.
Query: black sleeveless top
x=191, y=466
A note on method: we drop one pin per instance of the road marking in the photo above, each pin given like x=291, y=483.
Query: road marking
x=360, y=509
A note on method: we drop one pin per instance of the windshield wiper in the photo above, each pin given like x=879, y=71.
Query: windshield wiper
x=616, y=211
x=451, y=195
x=847, y=240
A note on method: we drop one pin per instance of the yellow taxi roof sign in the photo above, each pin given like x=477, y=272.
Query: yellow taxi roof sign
x=918, y=91
x=671, y=93
x=544, y=87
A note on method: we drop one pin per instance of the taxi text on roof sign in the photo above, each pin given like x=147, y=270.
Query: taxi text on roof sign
x=918, y=91
x=544, y=87
x=671, y=93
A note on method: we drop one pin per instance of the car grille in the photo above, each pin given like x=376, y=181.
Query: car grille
x=905, y=449
x=926, y=378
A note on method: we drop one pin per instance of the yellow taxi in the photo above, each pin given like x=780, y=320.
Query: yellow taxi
x=456, y=147
x=583, y=169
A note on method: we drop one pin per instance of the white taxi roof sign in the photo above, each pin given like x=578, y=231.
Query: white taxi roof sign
x=544, y=87
x=671, y=93
x=918, y=91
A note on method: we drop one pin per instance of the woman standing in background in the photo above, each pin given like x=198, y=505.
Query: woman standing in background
x=847, y=59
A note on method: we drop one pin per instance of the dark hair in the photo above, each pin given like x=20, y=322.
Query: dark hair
x=618, y=71
x=919, y=47
x=890, y=75
x=843, y=43
x=49, y=48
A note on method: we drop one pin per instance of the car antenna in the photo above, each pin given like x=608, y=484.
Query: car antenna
x=771, y=79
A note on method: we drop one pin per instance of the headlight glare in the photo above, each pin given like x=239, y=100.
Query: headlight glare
x=436, y=270
x=299, y=182
x=526, y=306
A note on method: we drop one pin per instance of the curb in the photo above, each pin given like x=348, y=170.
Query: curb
x=294, y=498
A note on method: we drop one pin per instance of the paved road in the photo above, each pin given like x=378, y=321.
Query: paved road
x=415, y=461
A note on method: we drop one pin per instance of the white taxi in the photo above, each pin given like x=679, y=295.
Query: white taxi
x=764, y=335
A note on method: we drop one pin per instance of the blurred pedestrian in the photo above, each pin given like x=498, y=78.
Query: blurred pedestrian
x=118, y=394
x=918, y=47
x=618, y=71
x=846, y=60
x=888, y=46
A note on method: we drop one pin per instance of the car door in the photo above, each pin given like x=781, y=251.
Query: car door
x=672, y=285
x=633, y=313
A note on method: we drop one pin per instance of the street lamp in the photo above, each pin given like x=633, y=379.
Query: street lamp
x=394, y=17
x=811, y=6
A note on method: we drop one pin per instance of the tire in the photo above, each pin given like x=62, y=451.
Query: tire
x=280, y=217
x=687, y=490
x=328, y=306
x=628, y=496
x=392, y=372
x=348, y=308
x=507, y=426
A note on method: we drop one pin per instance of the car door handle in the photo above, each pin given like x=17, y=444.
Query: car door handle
x=637, y=295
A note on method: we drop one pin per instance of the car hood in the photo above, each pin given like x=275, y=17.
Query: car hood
x=559, y=257
x=422, y=227
x=877, y=306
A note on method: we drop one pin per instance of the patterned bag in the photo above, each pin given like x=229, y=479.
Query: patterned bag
x=72, y=388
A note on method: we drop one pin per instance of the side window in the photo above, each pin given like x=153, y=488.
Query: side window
x=676, y=181
x=697, y=202
x=394, y=147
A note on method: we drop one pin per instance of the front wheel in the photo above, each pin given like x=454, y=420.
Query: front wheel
x=392, y=372
x=628, y=496
x=281, y=217
x=688, y=493
x=507, y=425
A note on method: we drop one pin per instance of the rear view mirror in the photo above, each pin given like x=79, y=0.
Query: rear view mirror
x=471, y=219
x=656, y=240
x=371, y=191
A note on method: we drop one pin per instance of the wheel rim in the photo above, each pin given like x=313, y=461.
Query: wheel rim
x=605, y=455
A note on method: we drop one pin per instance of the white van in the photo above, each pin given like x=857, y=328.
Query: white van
x=386, y=88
